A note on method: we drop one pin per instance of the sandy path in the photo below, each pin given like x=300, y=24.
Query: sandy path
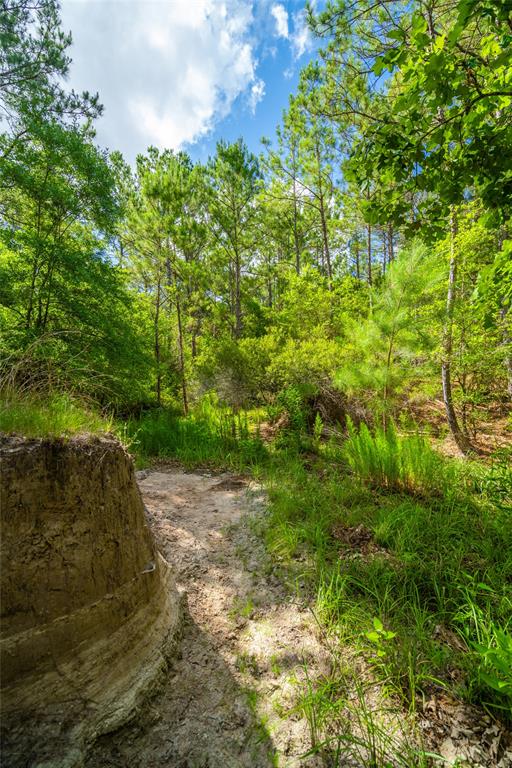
x=223, y=703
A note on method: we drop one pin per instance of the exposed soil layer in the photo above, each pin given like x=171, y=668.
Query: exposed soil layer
x=89, y=607
x=226, y=700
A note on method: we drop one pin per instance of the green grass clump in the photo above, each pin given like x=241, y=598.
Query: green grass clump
x=52, y=415
x=385, y=459
x=209, y=435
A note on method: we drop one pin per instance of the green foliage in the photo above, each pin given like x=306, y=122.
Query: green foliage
x=428, y=94
x=291, y=400
x=246, y=275
x=33, y=64
x=437, y=573
x=495, y=481
x=318, y=428
x=408, y=463
x=480, y=318
x=380, y=637
x=209, y=435
x=55, y=415
x=495, y=670
x=388, y=349
x=62, y=300
x=236, y=371
x=234, y=180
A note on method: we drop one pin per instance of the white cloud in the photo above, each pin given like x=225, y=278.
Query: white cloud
x=280, y=15
x=167, y=72
x=301, y=38
x=256, y=95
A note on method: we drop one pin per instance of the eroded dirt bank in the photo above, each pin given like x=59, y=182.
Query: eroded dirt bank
x=89, y=608
x=224, y=700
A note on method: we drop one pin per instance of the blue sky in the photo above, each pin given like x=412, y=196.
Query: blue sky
x=184, y=73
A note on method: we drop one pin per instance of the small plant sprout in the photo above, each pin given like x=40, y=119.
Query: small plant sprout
x=380, y=637
x=317, y=431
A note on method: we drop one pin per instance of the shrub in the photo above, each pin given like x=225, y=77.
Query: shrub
x=495, y=672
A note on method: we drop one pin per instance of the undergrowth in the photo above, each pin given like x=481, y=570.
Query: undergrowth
x=49, y=415
x=386, y=460
x=408, y=559
x=209, y=435
x=406, y=555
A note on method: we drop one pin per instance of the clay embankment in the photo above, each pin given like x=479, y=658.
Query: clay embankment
x=89, y=608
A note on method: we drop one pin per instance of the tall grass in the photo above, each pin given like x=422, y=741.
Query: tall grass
x=51, y=415
x=210, y=434
x=385, y=459
x=353, y=722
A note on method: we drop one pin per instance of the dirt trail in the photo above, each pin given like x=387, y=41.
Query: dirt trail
x=224, y=701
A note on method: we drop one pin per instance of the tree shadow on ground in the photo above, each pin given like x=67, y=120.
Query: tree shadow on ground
x=200, y=717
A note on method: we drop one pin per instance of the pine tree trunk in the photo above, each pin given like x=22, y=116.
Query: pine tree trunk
x=460, y=438
x=270, y=299
x=182, y=356
x=507, y=340
x=369, y=252
x=323, y=218
x=391, y=249
x=172, y=286
x=295, y=227
x=325, y=238
x=157, y=345
x=238, y=303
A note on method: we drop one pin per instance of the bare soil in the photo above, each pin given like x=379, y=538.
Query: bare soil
x=226, y=701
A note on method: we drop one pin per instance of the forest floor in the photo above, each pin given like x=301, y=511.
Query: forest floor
x=225, y=700
x=251, y=646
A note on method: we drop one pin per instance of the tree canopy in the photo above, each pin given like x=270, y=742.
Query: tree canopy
x=364, y=252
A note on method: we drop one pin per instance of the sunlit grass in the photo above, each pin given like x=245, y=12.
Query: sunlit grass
x=53, y=415
x=385, y=459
